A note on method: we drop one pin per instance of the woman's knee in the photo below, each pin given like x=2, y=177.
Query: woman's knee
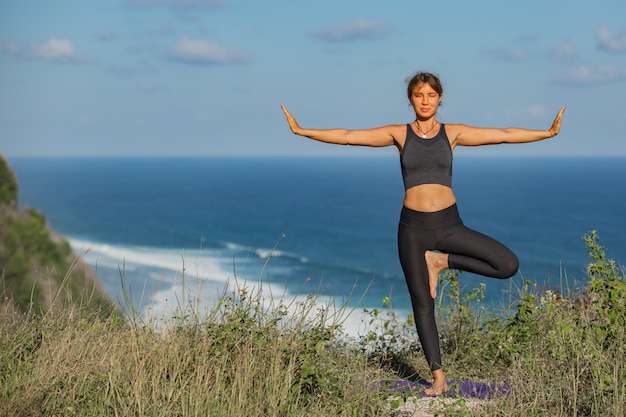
x=509, y=266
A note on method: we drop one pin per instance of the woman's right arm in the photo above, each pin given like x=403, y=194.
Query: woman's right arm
x=380, y=136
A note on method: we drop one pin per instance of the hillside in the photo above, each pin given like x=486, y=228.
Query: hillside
x=39, y=271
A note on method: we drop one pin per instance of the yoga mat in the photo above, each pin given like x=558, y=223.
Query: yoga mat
x=456, y=388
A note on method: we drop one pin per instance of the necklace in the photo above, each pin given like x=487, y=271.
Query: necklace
x=424, y=134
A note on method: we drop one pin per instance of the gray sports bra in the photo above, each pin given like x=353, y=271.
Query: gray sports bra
x=426, y=161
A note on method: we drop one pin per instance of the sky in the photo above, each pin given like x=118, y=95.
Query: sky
x=207, y=77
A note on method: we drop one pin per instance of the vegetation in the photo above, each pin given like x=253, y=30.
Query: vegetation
x=34, y=261
x=564, y=354
x=8, y=184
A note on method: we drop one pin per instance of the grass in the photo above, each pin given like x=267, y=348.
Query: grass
x=252, y=355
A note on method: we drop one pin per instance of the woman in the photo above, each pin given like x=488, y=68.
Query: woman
x=431, y=235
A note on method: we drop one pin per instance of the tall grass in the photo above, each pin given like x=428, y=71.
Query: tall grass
x=249, y=356
x=253, y=355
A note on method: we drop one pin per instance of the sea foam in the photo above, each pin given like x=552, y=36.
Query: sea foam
x=179, y=283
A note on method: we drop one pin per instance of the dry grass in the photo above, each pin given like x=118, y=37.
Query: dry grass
x=239, y=361
x=564, y=356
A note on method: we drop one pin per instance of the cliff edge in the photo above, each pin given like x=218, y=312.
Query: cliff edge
x=39, y=271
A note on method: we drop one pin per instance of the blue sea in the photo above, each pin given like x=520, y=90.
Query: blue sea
x=170, y=225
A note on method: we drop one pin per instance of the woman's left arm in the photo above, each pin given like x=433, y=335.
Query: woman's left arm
x=463, y=135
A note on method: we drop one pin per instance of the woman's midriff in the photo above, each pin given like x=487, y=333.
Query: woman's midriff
x=429, y=197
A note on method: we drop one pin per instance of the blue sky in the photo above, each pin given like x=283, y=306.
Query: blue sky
x=207, y=77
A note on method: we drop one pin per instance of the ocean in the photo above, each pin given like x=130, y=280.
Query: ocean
x=170, y=226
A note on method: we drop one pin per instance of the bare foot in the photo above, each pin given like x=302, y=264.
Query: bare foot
x=440, y=386
x=436, y=390
x=435, y=262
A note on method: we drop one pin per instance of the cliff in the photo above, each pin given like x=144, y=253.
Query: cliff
x=39, y=271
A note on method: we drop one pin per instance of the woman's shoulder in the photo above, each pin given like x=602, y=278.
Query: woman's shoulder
x=453, y=129
x=397, y=130
x=455, y=126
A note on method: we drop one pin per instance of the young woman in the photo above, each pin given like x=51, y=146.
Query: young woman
x=431, y=235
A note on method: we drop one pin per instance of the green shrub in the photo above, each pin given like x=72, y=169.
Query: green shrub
x=563, y=351
x=8, y=184
x=607, y=292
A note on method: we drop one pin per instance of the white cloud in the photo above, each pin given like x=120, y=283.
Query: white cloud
x=537, y=110
x=610, y=41
x=56, y=50
x=197, y=51
x=584, y=75
x=356, y=29
x=52, y=50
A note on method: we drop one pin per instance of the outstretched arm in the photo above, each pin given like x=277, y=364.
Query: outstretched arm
x=380, y=136
x=474, y=136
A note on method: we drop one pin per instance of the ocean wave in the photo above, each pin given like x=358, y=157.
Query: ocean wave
x=179, y=301
x=274, y=253
x=158, y=270
x=201, y=264
x=162, y=295
x=263, y=253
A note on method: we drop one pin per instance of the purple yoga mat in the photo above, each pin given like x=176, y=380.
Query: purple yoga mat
x=456, y=388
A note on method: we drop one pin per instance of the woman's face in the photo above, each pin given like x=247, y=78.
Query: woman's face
x=425, y=101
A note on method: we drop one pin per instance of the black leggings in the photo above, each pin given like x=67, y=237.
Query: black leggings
x=468, y=250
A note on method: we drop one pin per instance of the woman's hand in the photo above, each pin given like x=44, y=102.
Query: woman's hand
x=293, y=124
x=556, y=124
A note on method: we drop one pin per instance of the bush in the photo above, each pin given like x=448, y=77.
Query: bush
x=563, y=352
x=8, y=184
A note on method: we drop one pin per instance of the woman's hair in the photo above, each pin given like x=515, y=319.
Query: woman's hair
x=423, y=77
